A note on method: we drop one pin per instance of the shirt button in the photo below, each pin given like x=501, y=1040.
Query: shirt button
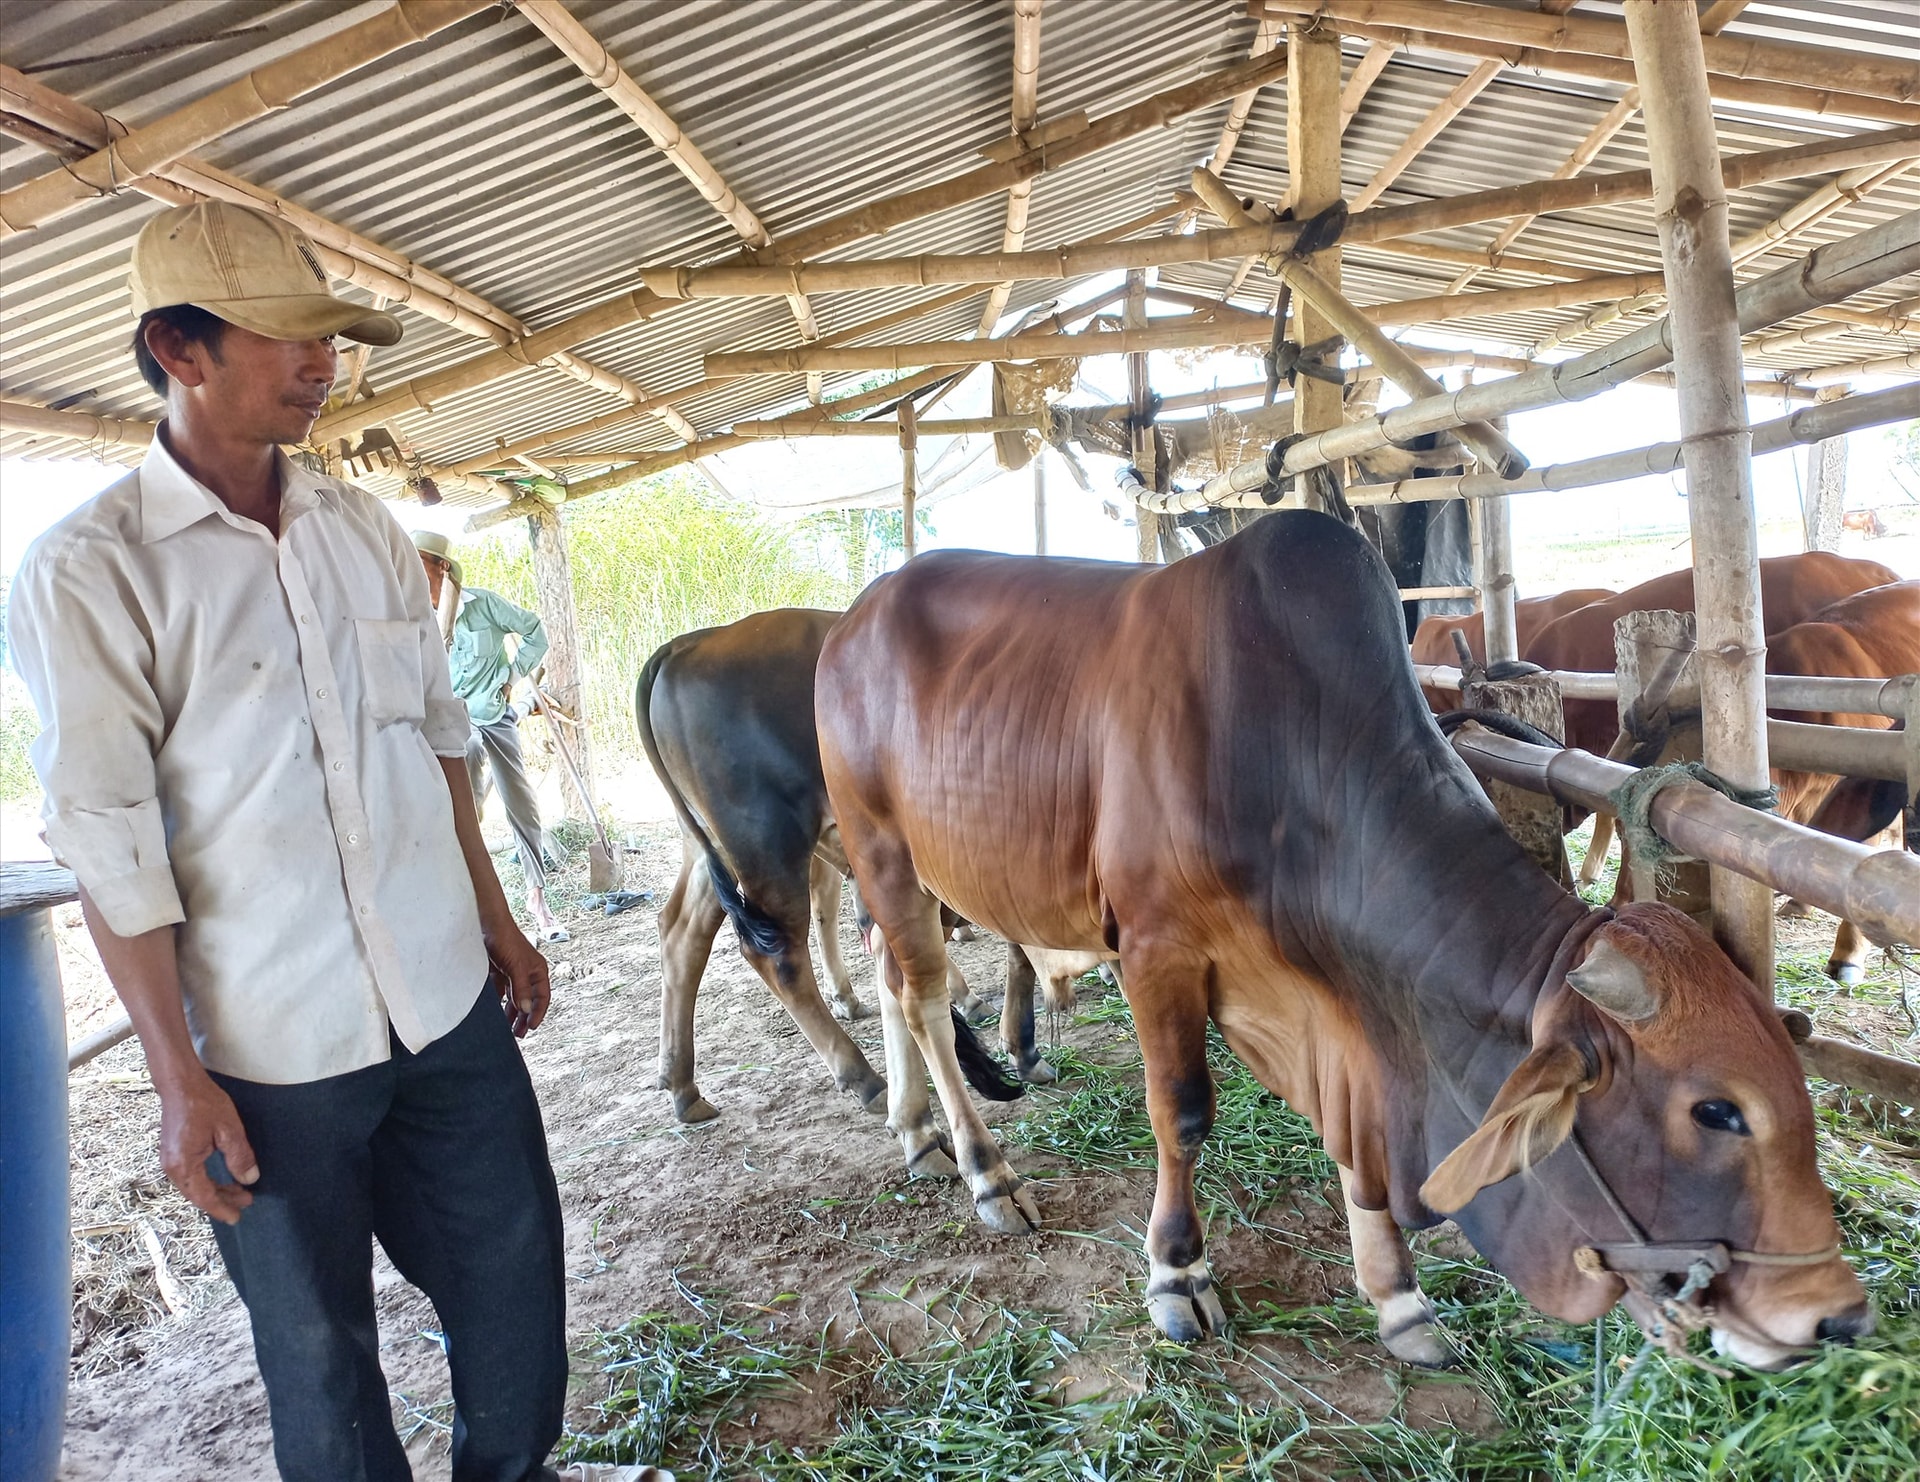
x=320, y=694
x=337, y=766
x=363, y=910
x=303, y=617
x=353, y=838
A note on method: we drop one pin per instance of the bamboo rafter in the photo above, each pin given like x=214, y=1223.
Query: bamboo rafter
x=1858, y=73
x=1025, y=117
x=579, y=46
x=264, y=90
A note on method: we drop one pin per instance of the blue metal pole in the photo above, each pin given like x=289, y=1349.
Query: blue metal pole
x=36, y=1274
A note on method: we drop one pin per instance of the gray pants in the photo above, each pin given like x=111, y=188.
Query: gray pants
x=499, y=744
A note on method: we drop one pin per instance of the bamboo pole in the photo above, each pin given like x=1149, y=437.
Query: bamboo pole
x=84, y=427
x=1365, y=72
x=1379, y=224
x=1026, y=116
x=1867, y=74
x=1145, y=450
x=1495, y=582
x=1877, y=890
x=1817, y=100
x=869, y=220
x=1845, y=191
x=343, y=253
x=1834, y=271
x=264, y=90
x=1266, y=36
x=1806, y=692
x=1425, y=132
x=1883, y=365
x=909, y=477
x=1690, y=206
x=766, y=427
x=1040, y=501
x=579, y=46
x=1313, y=175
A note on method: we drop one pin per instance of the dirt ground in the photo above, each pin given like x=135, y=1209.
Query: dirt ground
x=793, y=1193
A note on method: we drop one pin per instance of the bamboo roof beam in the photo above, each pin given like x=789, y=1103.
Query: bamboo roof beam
x=344, y=253
x=1848, y=189
x=83, y=427
x=1265, y=37
x=1365, y=73
x=579, y=46
x=1819, y=100
x=264, y=90
x=1025, y=117
x=1861, y=73
x=992, y=178
x=1904, y=364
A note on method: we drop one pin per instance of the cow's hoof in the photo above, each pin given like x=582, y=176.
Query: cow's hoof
x=849, y=1010
x=1847, y=974
x=1413, y=1333
x=965, y=933
x=694, y=1109
x=1009, y=1214
x=873, y=1097
x=1037, y=1072
x=1188, y=1317
x=932, y=1159
x=1793, y=910
x=975, y=1009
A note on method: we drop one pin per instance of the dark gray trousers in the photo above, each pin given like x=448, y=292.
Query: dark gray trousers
x=443, y=1158
x=497, y=747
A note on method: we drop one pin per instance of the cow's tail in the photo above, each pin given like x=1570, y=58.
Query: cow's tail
x=978, y=1065
x=756, y=928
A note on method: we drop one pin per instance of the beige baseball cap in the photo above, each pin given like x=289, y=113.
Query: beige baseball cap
x=250, y=269
x=433, y=543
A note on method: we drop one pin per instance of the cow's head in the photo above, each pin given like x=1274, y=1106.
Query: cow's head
x=1691, y=1107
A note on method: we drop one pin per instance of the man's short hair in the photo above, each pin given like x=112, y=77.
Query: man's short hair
x=191, y=322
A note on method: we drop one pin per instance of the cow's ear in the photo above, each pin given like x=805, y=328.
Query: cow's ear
x=1530, y=1117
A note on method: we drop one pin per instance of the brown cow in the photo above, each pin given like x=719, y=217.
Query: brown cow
x=1873, y=634
x=1792, y=590
x=1274, y=835
x=1433, y=640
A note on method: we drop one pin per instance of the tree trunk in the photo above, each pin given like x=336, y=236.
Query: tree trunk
x=553, y=592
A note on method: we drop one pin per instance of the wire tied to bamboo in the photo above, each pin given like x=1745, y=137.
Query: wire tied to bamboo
x=1632, y=803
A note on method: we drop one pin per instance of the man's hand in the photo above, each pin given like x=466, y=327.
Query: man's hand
x=523, y=978
x=198, y=1119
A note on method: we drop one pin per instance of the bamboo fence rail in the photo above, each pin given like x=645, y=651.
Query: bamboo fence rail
x=1746, y=61
x=1817, y=694
x=262, y=91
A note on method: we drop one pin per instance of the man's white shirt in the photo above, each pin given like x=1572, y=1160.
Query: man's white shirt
x=240, y=736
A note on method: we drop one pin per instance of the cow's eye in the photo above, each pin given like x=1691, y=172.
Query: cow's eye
x=1721, y=1116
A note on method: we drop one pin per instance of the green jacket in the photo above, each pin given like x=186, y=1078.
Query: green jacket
x=481, y=669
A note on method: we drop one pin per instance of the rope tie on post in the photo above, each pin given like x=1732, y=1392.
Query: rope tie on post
x=1632, y=803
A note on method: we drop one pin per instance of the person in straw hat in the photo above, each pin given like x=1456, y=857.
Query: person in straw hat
x=255, y=766
x=483, y=677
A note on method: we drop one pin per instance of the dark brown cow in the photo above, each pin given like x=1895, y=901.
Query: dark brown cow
x=1272, y=834
x=1873, y=634
x=1792, y=590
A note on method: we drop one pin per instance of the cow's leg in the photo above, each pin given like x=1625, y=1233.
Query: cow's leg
x=1848, y=964
x=688, y=922
x=1170, y=1014
x=909, y=1111
x=824, y=896
x=975, y=1008
x=1383, y=1270
x=915, y=967
x=1016, y=1020
x=790, y=976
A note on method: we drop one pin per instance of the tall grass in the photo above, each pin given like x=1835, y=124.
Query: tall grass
x=650, y=564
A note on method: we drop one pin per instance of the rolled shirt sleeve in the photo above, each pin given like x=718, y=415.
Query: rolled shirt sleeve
x=87, y=665
x=447, y=725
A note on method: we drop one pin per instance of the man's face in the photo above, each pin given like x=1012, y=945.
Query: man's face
x=436, y=573
x=255, y=389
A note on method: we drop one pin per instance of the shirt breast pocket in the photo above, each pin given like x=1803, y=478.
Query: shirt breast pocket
x=390, y=667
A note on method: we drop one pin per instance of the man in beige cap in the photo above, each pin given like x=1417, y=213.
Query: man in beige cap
x=255, y=766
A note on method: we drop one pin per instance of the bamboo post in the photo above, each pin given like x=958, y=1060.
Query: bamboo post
x=264, y=90
x=1825, y=499
x=1649, y=649
x=1533, y=820
x=1313, y=170
x=1690, y=205
x=553, y=589
x=909, y=490
x=1040, y=501
x=1497, y=581
x=1140, y=420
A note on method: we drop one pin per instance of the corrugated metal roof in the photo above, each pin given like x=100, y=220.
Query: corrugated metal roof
x=485, y=155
